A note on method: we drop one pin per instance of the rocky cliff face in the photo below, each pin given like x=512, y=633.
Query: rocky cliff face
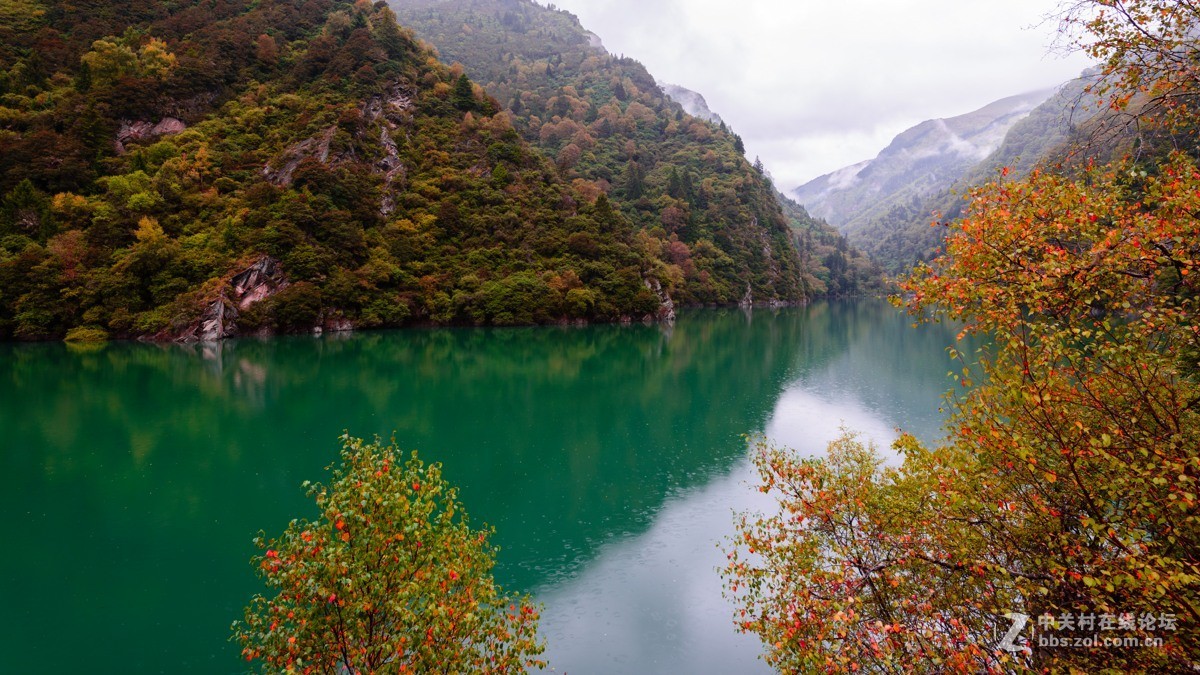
x=256, y=283
x=666, y=306
x=382, y=115
x=136, y=130
x=692, y=101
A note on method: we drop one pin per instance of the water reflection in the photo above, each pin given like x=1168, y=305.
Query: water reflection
x=654, y=601
x=608, y=458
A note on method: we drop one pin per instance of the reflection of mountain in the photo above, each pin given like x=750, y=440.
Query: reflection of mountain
x=135, y=477
x=156, y=465
x=864, y=364
x=654, y=599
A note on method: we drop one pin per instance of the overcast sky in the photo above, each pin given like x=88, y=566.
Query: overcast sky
x=815, y=86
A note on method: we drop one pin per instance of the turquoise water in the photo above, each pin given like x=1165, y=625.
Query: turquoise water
x=134, y=477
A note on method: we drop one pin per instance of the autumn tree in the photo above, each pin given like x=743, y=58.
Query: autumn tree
x=114, y=58
x=1070, y=482
x=1147, y=49
x=21, y=14
x=389, y=578
x=381, y=194
x=266, y=50
x=1068, y=485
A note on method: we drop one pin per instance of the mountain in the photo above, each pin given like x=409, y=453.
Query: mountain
x=192, y=170
x=886, y=205
x=1047, y=135
x=918, y=162
x=683, y=182
x=831, y=266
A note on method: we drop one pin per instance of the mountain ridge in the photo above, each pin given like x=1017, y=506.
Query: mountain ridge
x=683, y=181
x=918, y=161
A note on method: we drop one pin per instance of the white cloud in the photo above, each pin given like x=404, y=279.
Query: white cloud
x=814, y=86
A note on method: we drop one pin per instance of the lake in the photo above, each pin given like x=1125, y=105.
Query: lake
x=610, y=459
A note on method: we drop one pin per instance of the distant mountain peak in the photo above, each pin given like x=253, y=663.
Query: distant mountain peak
x=919, y=161
x=885, y=205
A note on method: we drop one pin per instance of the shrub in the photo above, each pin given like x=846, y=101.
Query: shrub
x=390, y=576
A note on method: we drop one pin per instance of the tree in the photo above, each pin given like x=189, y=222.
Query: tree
x=569, y=156
x=25, y=210
x=607, y=218
x=21, y=15
x=388, y=32
x=266, y=50
x=113, y=58
x=675, y=185
x=848, y=574
x=389, y=578
x=1069, y=485
x=1147, y=49
x=635, y=186
x=464, y=94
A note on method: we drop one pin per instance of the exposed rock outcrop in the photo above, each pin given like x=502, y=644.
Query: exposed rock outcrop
x=382, y=114
x=747, y=299
x=338, y=325
x=136, y=130
x=254, y=284
x=388, y=114
x=317, y=147
x=257, y=282
x=666, y=306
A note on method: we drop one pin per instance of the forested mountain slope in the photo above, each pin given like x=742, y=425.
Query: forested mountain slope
x=831, y=265
x=684, y=182
x=201, y=169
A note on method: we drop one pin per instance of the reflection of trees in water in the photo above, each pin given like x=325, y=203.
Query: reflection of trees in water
x=870, y=353
x=143, y=456
x=591, y=427
x=577, y=433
